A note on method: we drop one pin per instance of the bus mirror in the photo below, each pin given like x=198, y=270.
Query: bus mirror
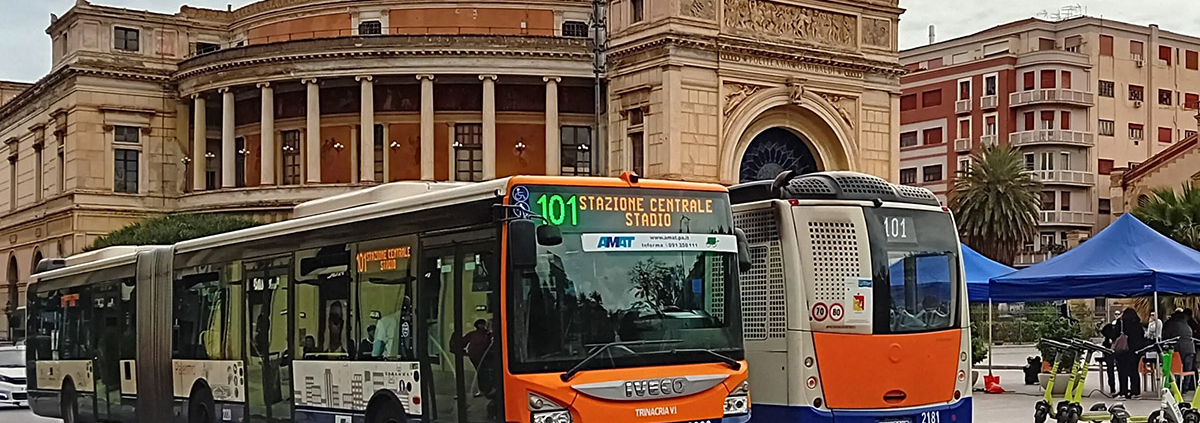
x=743, y=254
x=522, y=243
x=549, y=235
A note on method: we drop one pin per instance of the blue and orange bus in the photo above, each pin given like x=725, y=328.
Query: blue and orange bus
x=523, y=299
x=856, y=305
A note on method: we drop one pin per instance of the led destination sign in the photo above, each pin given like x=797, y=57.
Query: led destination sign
x=561, y=209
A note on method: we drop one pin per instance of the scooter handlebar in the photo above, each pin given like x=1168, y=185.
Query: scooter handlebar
x=1089, y=345
x=1160, y=345
x=1056, y=344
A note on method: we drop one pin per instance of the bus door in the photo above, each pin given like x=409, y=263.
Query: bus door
x=459, y=307
x=268, y=363
x=106, y=306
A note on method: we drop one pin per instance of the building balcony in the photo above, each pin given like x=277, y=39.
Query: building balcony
x=962, y=106
x=962, y=145
x=1052, y=136
x=989, y=140
x=1052, y=96
x=1065, y=177
x=989, y=102
x=1058, y=217
x=1029, y=258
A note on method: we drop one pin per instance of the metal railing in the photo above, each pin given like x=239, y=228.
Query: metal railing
x=962, y=106
x=962, y=145
x=1052, y=136
x=1028, y=258
x=1074, y=177
x=988, y=140
x=395, y=30
x=1052, y=95
x=1068, y=217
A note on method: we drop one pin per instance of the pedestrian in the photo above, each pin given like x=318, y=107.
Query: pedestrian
x=1132, y=338
x=1111, y=331
x=1177, y=327
x=1154, y=328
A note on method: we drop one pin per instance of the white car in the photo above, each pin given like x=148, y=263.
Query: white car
x=12, y=376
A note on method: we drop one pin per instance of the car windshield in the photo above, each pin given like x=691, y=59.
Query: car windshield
x=12, y=358
x=916, y=267
x=661, y=288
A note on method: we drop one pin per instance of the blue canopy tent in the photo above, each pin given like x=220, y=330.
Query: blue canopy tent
x=934, y=273
x=980, y=270
x=1127, y=258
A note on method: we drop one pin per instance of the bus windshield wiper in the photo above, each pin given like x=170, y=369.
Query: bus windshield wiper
x=567, y=375
x=733, y=364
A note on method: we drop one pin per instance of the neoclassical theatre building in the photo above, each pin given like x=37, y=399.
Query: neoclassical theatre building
x=253, y=110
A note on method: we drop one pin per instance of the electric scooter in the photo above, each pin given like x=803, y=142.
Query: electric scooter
x=1045, y=407
x=1173, y=409
x=1074, y=409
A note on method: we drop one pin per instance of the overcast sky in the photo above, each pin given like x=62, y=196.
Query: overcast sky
x=25, y=47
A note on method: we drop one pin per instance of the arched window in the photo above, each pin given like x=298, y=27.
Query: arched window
x=37, y=258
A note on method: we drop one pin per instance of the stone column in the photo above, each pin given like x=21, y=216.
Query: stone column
x=489, y=126
x=227, y=144
x=669, y=156
x=427, y=155
x=553, y=133
x=366, y=137
x=312, y=145
x=199, y=141
x=267, y=138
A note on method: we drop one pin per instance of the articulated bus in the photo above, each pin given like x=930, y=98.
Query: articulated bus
x=856, y=306
x=523, y=299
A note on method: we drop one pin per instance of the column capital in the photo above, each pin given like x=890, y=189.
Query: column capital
x=361, y=78
x=308, y=80
x=425, y=76
x=197, y=96
x=263, y=85
x=486, y=77
x=556, y=79
x=223, y=90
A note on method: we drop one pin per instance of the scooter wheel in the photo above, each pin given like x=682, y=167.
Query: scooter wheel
x=1155, y=417
x=1071, y=417
x=1098, y=407
x=1039, y=416
x=1191, y=416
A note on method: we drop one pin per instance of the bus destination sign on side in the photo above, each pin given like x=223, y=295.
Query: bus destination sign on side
x=386, y=258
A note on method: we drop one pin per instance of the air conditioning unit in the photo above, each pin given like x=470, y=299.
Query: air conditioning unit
x=1137, y=104
x=1139, y=62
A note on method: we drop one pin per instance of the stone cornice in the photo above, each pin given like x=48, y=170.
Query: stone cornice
x=399, y=46
x=733, y=49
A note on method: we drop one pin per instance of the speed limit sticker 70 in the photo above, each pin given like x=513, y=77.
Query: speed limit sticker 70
x=819, y=312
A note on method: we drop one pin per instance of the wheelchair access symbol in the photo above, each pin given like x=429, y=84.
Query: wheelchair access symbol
x=819, y=312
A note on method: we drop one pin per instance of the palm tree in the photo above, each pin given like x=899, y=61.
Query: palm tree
x=1174, y=214
x=996, y=203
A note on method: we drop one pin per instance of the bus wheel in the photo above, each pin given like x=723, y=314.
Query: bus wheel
x=68, y=404
x=200, y=406
x=386, y=411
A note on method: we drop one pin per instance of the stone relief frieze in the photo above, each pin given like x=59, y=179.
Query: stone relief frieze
x=702, y=9
x=795, y=23
x=877, y=33
x=736, y=94
x=795, y=65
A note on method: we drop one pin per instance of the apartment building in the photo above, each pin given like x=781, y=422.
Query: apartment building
x=1078, y=97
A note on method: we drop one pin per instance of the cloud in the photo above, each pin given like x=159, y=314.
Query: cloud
x=25, y=49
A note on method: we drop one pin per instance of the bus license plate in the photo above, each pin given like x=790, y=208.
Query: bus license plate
x=896, y=421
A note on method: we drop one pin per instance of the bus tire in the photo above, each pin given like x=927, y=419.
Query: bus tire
x=68, y=402
x=200, y=405
x=385, y=410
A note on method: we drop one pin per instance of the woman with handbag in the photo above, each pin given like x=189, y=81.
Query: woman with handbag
x=1132, y=338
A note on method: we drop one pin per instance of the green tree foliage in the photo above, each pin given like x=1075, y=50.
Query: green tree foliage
x=171, y=229
x=1175, y=214
x=656, y=284
x=996, y=203
x=979, y=343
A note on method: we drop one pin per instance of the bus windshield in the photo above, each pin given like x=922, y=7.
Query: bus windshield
x=654, y=271
x=915, y=261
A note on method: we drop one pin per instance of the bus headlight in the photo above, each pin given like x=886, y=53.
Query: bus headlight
x=562, y=416
x=737, y=404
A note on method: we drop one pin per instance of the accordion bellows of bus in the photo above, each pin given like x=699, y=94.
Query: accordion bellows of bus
x=523, y=299
x=862, y=301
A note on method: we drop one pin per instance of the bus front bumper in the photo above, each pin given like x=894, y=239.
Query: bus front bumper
x=955, y=412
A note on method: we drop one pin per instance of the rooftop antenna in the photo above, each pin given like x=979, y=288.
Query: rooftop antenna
x=932, y=34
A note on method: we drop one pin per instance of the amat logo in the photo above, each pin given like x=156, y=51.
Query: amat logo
x=615, y=242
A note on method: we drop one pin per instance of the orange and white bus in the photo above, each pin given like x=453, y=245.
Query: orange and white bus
x=856, y=306
x=524, y=299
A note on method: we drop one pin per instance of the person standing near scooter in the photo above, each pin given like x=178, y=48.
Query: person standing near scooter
x=1111, y=331
x=1132, y=338
x=1177, y=326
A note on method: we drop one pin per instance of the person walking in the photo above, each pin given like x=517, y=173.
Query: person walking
x=1132, y=338
x=1177, y=327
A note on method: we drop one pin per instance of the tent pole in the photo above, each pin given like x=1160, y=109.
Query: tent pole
x=1155, y=304
x=991, y=345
